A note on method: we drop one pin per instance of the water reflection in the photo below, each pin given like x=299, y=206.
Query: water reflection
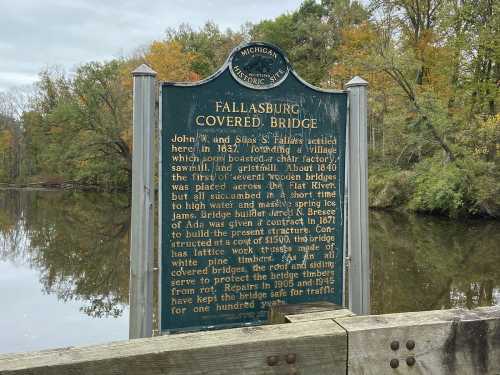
x=426, y=263
x=78, y=243
x=75, y=246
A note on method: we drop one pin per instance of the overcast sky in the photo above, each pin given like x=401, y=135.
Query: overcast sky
x=35, y=34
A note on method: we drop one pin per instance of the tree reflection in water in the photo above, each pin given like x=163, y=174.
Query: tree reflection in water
x=428, y=263
x=78, y=242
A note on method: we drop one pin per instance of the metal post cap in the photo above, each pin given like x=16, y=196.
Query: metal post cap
x=356, y=81
x=143, y=70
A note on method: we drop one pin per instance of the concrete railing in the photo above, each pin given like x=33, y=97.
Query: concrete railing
x=315, y=342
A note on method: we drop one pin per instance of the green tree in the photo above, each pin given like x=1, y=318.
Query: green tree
x=79, y=129
x=311, y=35
x=12, y=105
x=208, y=46
x=102, y=114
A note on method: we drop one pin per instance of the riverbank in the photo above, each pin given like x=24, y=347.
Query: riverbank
x=455, y=189
x=61, y=185
x=389, y=195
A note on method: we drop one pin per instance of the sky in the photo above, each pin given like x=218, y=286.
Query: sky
x=35, y=34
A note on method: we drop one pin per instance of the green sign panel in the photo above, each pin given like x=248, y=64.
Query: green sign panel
x=252, y=191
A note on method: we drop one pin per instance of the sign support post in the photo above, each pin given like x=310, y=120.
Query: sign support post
x=141, y=239
x=357, y=205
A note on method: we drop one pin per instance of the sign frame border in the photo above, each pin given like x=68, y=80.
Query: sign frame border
x=215, y=75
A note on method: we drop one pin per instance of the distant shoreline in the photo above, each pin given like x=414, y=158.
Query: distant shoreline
x=66, y=185
x=71, y=186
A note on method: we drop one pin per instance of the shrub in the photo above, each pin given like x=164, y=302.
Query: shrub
x=388, y=188
x=464, y=187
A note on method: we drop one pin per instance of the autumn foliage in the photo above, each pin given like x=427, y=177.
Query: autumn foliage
x=433, y=72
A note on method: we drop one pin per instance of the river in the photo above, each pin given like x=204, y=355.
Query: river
x=64, y=266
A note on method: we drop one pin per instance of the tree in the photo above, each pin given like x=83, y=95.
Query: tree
x=102, y=114
x=12, y=105
x=170, y=62
x=79, y=128
x=207, y=47
x=311, y=35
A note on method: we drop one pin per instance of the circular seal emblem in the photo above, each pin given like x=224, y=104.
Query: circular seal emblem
x=259, y=66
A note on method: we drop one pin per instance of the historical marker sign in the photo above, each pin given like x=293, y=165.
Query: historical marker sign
x=252, y=187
